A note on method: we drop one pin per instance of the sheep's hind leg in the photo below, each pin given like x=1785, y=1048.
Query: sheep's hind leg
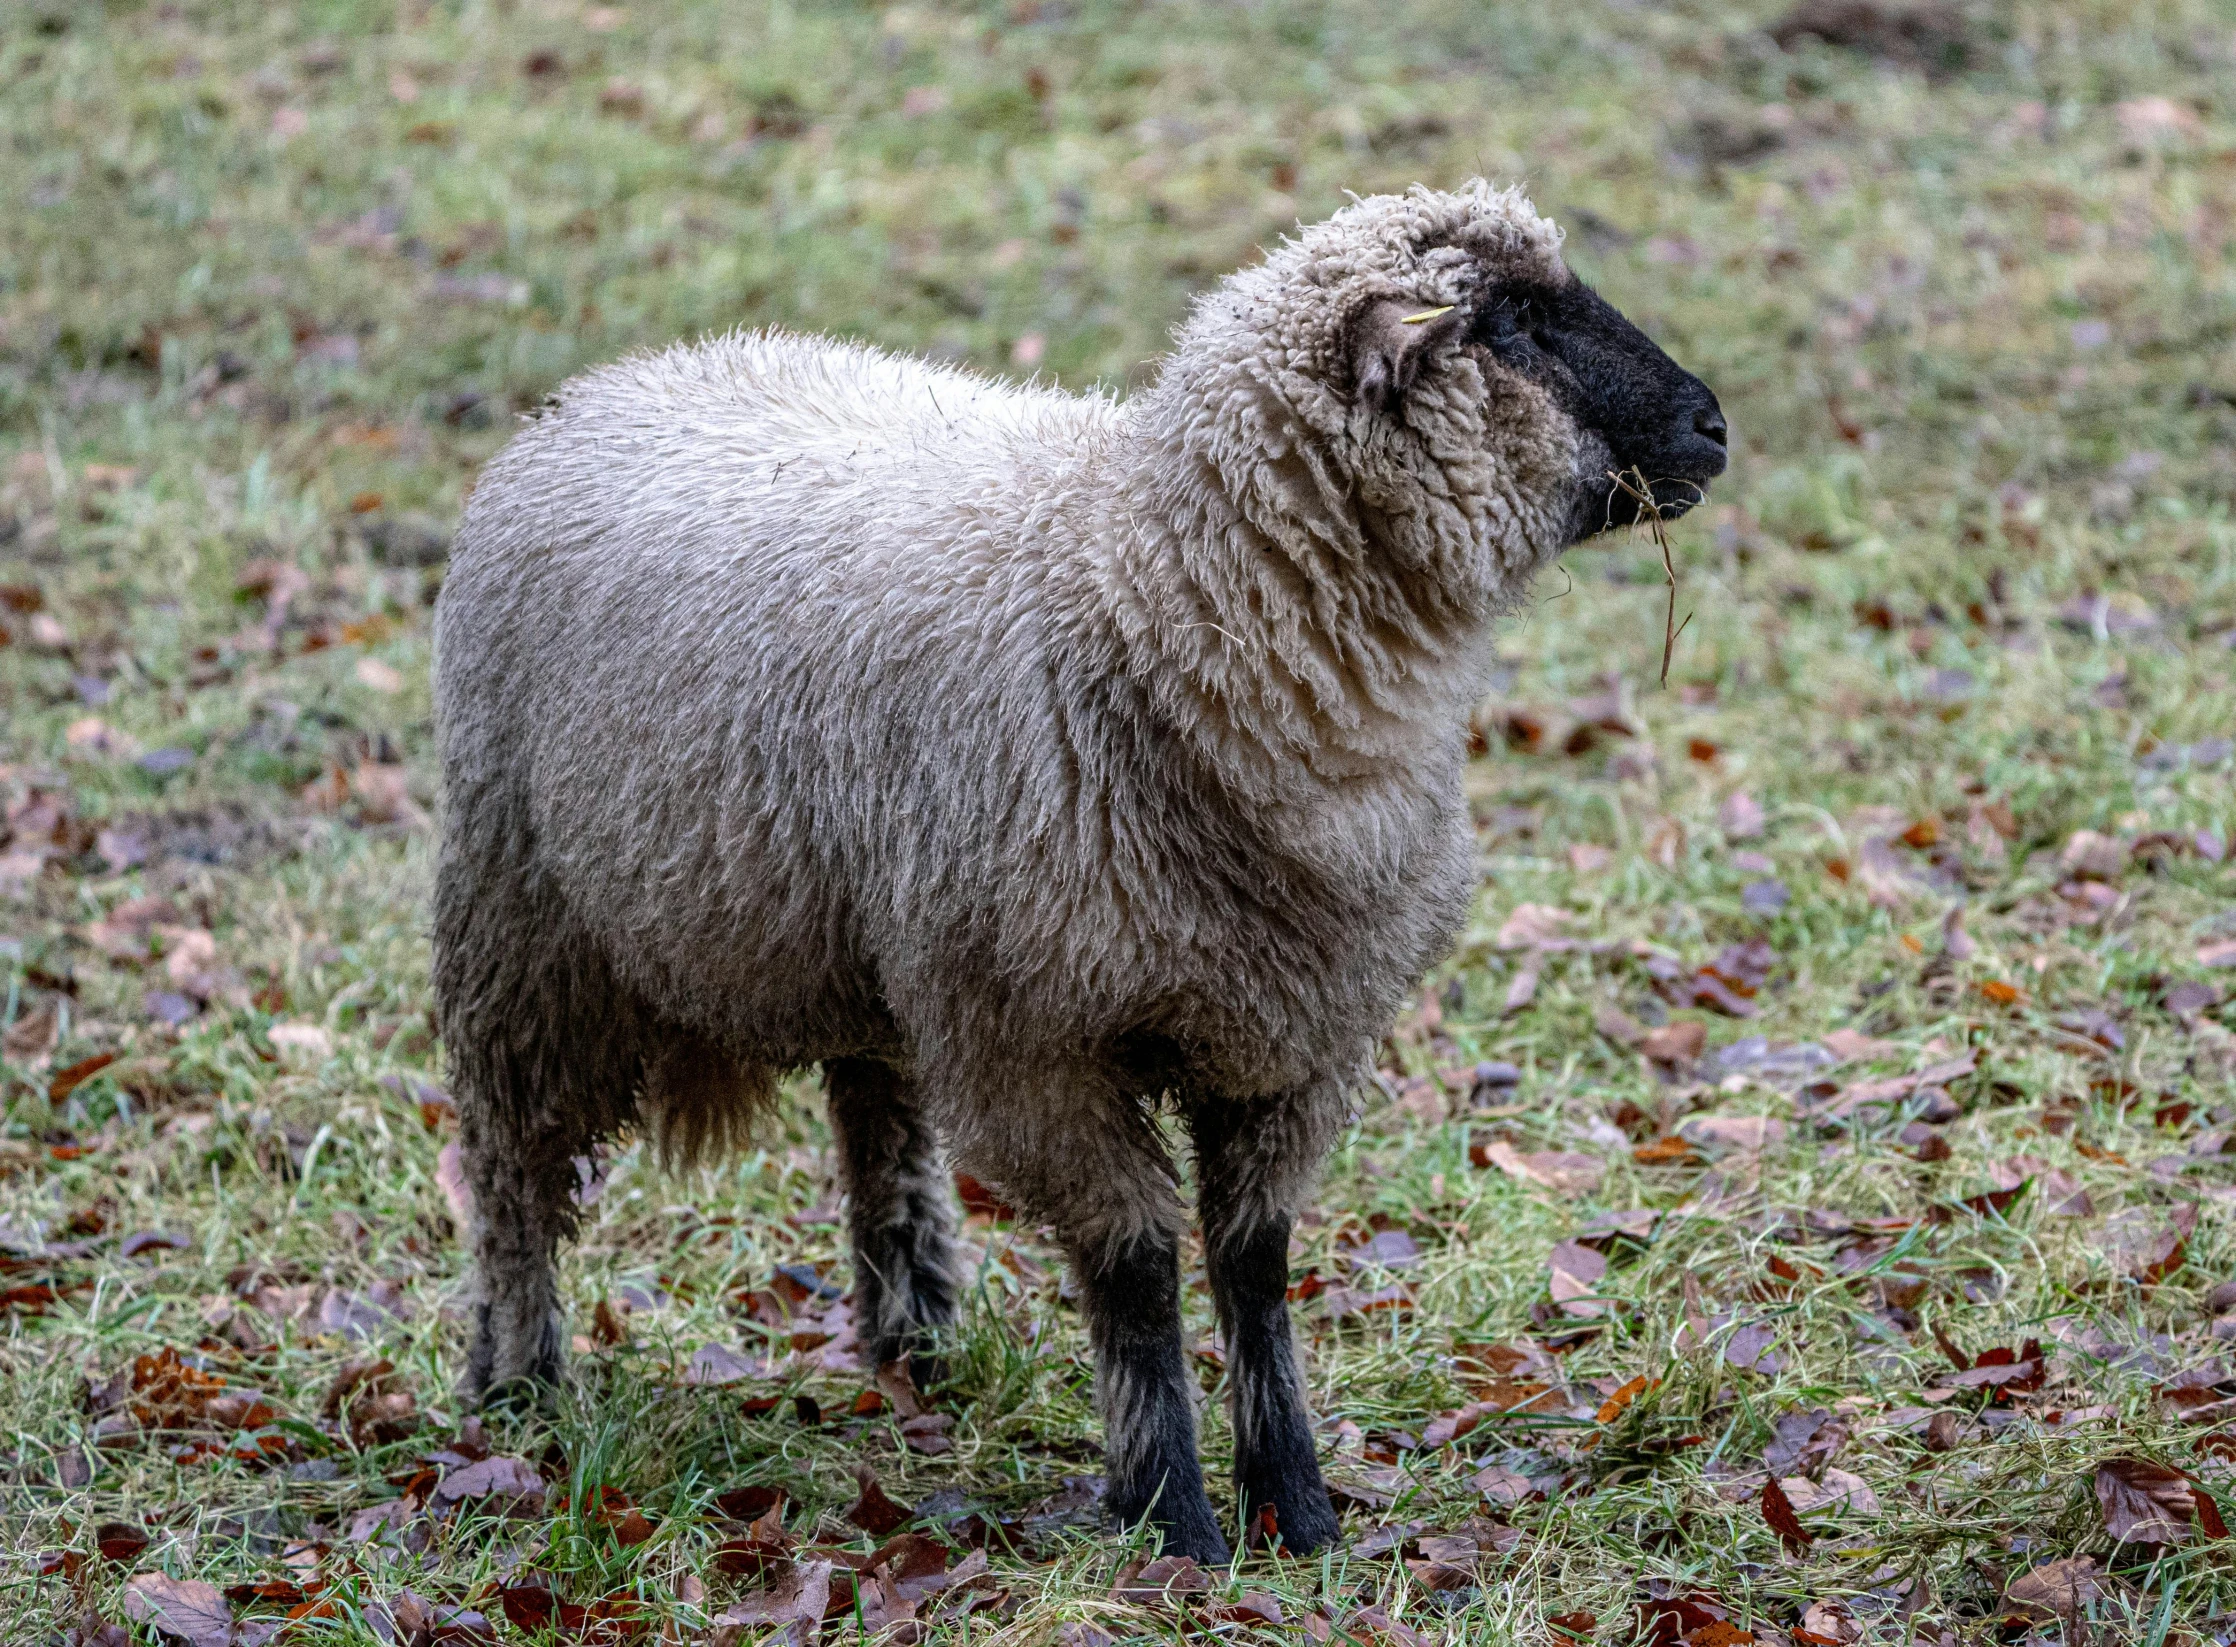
x=521, y=1174
x=900, y=1214
x=545, y=1055
x=1254, y=1160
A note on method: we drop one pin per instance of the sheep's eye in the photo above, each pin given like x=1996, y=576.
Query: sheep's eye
x=1507, y=319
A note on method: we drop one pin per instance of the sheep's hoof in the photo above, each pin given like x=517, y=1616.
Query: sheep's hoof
x=1194, y=1533
x=519, y=1397
x=532, y=1378
x=1205, y=1547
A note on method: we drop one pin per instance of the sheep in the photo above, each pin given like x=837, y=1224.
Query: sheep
x=1031, y=762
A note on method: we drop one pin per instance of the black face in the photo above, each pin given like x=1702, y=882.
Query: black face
x=1654, y=417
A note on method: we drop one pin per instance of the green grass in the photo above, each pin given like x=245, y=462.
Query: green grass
x=277, y=278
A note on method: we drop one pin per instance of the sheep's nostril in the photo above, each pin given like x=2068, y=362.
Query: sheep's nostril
x=1709, y=422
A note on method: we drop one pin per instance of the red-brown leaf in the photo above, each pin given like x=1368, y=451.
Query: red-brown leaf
x=1777, y=1509
x=748, y=1503
x=1612, y=1408
x=2209, y=1520
x=119, y=1541
x=875, y=1513
x=981, y=1201
x=2143, y=1502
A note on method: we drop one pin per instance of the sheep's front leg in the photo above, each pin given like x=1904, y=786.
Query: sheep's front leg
x=1073, y=1146
x=899, y=1212
x=1254, y=1161
x=1129, y=1283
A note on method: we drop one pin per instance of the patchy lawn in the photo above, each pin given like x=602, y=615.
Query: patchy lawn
x=1802, y=1210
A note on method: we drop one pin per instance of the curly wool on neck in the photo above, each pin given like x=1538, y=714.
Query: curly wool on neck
x=1321, y=579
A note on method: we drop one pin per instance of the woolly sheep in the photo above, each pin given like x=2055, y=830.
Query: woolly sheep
x=1026, y=760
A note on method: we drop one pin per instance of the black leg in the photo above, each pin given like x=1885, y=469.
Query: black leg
x=1076, y=1145
x=899, y=1214
x=1252, y=1159
x=1130, y=1286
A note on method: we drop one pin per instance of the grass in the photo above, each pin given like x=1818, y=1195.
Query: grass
x=277, y=278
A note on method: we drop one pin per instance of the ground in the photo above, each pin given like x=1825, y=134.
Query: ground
x=1800, y=1211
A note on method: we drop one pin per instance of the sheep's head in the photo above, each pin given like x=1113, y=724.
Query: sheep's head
x=1443, y=332
x=1545, y=343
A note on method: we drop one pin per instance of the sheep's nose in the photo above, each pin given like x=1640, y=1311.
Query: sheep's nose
x=1709, y=423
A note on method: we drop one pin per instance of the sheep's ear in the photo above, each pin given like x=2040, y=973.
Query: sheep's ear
x=1393, y=343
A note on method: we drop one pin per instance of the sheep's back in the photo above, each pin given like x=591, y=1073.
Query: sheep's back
x=789, y=668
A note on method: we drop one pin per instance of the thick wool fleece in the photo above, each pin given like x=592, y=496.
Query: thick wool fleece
x=802, y=703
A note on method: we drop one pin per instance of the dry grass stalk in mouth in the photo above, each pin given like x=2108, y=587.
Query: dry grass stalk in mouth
x=1636, y=486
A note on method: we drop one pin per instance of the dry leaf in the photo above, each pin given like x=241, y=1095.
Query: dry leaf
x=384, y=795
x=458, y=1195
x=1160, y=1581
x=179, y=1609
x=1827, y=1626
x=874, y=1512
x=500, y=1485
x=2144, y=1503
x=119, y=1541
x=2055, y=1590
x=1620, y=1027
x=1778, y=1510
x=1613, y=1407
x=2145, y=1245
x=1677, y=1043
x=1850, y=1044
x=1837, y=1490
x=1665, y=842
x=718, y=1364
x=2090, y=856
x=1576, y=1273
x=1570, y=1174
x=798, y=1599
x=308, y=1040
x=1535, y=926
x=1746, y=1134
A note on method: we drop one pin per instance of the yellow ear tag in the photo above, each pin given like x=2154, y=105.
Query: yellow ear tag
x=1427, y=314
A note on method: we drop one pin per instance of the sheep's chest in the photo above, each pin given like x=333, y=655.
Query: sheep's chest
x=1303, y=946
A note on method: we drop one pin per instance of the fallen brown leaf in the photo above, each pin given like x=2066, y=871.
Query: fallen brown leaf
x=1677, y=1043
x=505, y=1486
x=1161, y=1582
x=119, y=1541
x=1561, y=1170
x=873, y=1512
x=2144, y=1503
x=1576, y=1271
x=180, y=1609
x=1778, y=1510
x=1612, y=1408
x=2054, y=1591
x=797, y=1599
x=2146, y=1247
